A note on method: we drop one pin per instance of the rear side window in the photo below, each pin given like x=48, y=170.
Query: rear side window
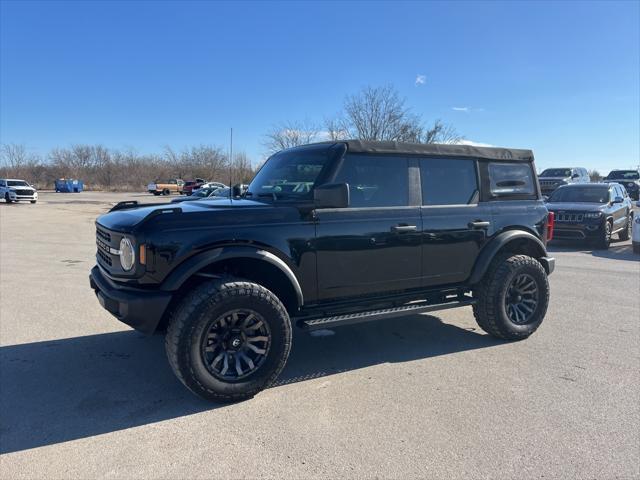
x=375, y=181
x=448, y=181
x=511, y=179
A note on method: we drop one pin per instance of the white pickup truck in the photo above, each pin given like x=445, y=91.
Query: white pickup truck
x=13, y=190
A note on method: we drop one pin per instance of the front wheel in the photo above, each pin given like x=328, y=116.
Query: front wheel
x=33, y=201
x=603, y=242
x=6, y=198
x=625, y=234
x=512, y=298
x=228, y=340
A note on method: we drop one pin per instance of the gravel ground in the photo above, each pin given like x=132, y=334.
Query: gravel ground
x=83, y=396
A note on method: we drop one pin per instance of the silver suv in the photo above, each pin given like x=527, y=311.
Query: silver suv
x=552, y=178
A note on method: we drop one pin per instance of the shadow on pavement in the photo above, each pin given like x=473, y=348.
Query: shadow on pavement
x=618, y=250
x=61, y=390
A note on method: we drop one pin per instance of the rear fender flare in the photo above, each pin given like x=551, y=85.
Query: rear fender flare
x=498, y=243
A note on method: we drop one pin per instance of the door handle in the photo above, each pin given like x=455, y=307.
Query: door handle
x=479, y=224
x=403, y=228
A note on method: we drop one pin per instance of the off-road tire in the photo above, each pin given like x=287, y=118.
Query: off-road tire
x=189, y=323
x=490, y=310
x=603, y=242
x=6, y=198
x=626, y=233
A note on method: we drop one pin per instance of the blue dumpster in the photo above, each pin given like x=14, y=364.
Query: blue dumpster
x=69, y=185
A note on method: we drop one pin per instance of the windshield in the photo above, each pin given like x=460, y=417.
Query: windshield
x=202, y=192
x=623, y=175
x=289, y=173
x=581, y=195
x=17, y=183
x=556, y=172
x=221, y=192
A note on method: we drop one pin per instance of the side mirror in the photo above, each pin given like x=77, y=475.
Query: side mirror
x=617, y=200
x=238, y=190
x=331, y=195
x=545, y=198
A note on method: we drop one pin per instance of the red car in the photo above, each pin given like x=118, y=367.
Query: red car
x=192, y=185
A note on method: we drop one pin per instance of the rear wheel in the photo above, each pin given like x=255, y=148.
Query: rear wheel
x=626, y=233
x=512, y=297
x=228, y=340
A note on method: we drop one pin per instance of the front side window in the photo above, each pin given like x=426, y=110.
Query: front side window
x=448, y=181
x=291, y=173
x=511, y=179
x=375, y=181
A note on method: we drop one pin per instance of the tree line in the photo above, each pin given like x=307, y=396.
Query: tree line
x=102, y=168
x=374, y=113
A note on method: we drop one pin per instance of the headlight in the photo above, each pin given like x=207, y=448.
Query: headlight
x=592, y=215
x=127, y=254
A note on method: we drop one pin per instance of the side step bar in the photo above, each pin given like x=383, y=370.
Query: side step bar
x=350, y=318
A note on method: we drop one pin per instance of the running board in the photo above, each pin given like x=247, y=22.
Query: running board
x=350, y=318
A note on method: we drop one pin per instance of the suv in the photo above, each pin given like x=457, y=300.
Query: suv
x=629, y=179
x=166, y=187
x=552, y=178
x=325, y=235
x=191, y=186
x=13, y=190
x=592, y=212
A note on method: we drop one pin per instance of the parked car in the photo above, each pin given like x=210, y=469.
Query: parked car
x=629, y=179
x=214, y=184
x=192, y=185
x=199, y=194
x=166, y=187
x=326, y=235
x=635, y=235
x=552, y=178
x=592, y=212
x=14, y=190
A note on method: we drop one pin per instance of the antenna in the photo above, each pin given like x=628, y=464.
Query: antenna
x=230, y=164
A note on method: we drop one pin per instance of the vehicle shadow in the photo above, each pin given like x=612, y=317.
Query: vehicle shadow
x=61, y=390
x=618, y=250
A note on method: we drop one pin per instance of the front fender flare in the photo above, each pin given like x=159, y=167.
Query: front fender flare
x=196, y=263
x=501, y=240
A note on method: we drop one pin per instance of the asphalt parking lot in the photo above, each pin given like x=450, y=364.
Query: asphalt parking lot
x=82, y=395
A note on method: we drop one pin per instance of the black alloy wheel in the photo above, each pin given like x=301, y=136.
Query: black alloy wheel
x=236, y=344
x=521, y=299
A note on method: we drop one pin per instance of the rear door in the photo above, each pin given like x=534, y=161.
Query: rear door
x=455, y=224
x=374, y=245
x=620, y=210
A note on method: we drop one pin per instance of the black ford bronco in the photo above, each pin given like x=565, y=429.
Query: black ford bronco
x=328, y=234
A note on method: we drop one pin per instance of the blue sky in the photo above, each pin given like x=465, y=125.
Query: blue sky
x=560, y=78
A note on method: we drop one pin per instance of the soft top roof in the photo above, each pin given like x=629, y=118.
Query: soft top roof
x=434, y=149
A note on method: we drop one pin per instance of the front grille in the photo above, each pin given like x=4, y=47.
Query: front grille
x=24, y=192
x=568, y=234
x=106, y=236
x=105, y=257
x=569, y=217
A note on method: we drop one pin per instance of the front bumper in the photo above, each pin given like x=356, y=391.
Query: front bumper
x=139, y=308
x=577, y=231
x=549, y=264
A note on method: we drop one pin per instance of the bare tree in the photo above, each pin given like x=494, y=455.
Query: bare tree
x=13, y=155
x=378, y=113
x=594, y=175
x=290, y=134
x=441, y=133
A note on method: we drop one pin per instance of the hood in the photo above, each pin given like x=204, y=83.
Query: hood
x=576, y=207
x=21, y=188
x=205, y=212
